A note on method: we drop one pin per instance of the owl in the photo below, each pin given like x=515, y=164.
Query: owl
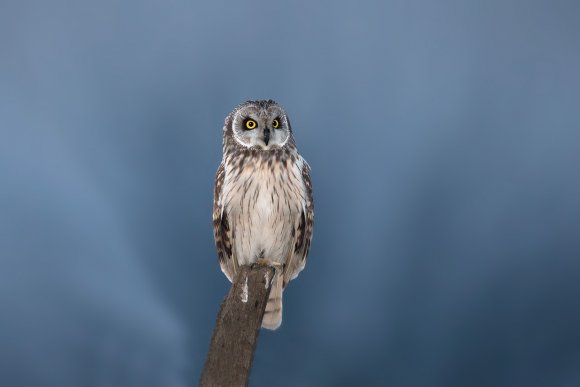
x=263, y=208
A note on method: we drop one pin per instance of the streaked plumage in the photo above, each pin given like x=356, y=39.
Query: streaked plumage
x=263, y=206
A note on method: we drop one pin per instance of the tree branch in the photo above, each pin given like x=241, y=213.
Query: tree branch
x=235, y=335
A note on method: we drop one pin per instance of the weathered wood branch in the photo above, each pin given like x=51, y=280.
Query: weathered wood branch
x=235, y=335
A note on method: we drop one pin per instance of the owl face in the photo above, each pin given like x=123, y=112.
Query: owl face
x=260, y=124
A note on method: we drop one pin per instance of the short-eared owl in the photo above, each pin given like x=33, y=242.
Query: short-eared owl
x=263, y=208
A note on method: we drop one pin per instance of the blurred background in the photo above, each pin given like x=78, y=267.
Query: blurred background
x=444, y=141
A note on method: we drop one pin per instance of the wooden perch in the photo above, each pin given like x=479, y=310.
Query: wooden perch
x=235, y=335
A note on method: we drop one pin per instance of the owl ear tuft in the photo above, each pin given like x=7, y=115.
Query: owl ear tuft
x=228, y=122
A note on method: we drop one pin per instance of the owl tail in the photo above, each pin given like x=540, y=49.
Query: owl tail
x=273, y=313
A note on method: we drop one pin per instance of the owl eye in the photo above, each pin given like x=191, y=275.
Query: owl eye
x=275, y=123
x=250, y=124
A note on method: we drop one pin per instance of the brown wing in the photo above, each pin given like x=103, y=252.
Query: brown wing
x=303, y=231
x=221, y=228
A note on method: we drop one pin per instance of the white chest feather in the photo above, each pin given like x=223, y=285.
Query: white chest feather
x=263, y=204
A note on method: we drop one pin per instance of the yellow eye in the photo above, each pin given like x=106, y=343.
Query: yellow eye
x=275, y=123
x=251, y=124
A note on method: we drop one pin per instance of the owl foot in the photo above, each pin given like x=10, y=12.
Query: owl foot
x=265, y=263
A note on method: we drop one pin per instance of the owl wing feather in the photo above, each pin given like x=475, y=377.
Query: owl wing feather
x=223, y=234
x=303, y=231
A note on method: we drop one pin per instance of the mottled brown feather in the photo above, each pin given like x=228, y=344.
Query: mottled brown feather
x=223, y=234
x=303, y=231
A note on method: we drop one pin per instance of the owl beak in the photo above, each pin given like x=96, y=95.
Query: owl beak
x=266, y=136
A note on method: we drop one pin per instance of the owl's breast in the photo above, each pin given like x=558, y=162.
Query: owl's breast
x=263, y=202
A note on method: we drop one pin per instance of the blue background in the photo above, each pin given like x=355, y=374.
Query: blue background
x=444, y=141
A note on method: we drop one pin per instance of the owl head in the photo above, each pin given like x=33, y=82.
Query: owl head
x=259, y=125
